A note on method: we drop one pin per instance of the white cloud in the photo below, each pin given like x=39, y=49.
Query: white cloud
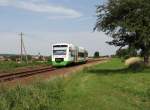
x=41, y=6
x=6, y=2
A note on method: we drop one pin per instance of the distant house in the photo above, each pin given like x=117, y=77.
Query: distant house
x=2, y=58
x=38, y=58
x=35, y=57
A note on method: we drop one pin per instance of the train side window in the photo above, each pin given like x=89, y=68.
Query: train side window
x=85, y=54
x=81, y=54
x=72, y=53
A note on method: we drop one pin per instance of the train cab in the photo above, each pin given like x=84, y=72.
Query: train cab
x=64, y=54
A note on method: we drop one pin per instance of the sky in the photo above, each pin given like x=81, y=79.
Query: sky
x=45, y=22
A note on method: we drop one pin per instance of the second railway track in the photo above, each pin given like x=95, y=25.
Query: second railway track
x=12, y=76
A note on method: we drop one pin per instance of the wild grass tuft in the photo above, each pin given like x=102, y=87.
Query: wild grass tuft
x=39, y=96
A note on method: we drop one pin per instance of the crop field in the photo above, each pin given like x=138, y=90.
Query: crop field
x=6, y=66
x=107, y=86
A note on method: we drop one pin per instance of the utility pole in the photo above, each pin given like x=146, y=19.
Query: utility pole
x=21, y=54
x=23, y=49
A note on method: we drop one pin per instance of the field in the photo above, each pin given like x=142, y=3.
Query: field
x=9, y=66
x=107, y=86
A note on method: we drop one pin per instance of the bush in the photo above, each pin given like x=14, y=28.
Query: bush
x=132, y=60
x=138, y=66
x=135, y=64
x=126, y=53
x=96, y=54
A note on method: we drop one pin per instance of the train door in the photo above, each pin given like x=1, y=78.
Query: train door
x=76, y=54
x=72, y=54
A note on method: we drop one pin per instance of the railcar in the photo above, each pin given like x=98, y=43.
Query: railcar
x=64, y=54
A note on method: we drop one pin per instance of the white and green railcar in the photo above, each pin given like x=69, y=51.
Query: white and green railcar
x=64, y=54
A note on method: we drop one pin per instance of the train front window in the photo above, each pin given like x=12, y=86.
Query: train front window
x=59, y=52
x=60, y=46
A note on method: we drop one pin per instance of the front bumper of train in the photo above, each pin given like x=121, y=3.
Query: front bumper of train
x=60, y=64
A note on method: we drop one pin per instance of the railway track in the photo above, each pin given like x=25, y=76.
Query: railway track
x=13, y=76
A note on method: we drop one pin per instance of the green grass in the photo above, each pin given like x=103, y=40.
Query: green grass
x=107, y=86
x=46, y=95
x=9, y=66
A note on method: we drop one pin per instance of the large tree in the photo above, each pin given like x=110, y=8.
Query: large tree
x=127, y=22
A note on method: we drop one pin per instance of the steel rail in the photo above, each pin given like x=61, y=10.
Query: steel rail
x=12, y=76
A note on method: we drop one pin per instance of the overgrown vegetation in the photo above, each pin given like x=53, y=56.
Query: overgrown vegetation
x=107, y=86
x=9, y=66
x=39, y=96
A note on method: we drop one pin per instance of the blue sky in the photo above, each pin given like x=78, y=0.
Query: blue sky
x=49, y=21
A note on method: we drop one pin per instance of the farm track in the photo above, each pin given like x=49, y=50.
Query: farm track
x=17, y=75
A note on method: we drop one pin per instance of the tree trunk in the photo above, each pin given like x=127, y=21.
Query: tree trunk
x=146, y=60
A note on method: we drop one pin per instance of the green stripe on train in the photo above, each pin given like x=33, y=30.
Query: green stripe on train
x=64, y=63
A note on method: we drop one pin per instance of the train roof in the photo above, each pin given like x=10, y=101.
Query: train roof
x=62, y=44
x=81, y=48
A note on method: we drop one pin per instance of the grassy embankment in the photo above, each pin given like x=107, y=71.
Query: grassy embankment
x=108, y=86
x=11, y=66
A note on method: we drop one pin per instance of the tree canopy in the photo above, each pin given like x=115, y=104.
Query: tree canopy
x=96, y=54
x=127, y=22
x=126, y=53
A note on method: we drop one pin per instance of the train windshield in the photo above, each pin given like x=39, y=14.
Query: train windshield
x=59, y=52
x=60, y=46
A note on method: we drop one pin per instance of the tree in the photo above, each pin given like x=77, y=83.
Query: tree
x=96, y=54
x=126, y=53
x=127, y=22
